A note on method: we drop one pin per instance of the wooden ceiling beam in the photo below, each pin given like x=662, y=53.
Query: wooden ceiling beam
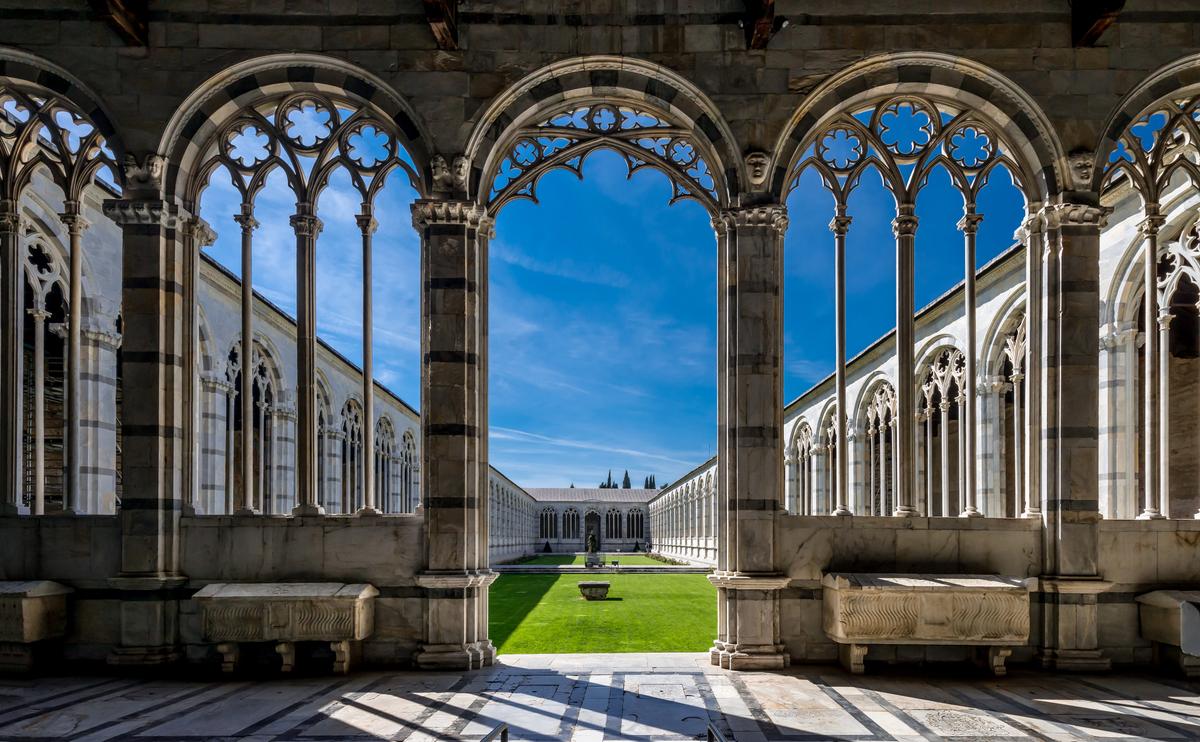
x=759, y=23
x=128, y=18
x=443, y=21
x=1091, y=18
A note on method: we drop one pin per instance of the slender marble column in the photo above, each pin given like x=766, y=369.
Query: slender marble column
x=73, y=220
x=196, y=235
x=929, y=460
x=904, y=227
x=969, y=225
x=1033, y=232
x=231, y=503
x=39, y=409
x=1164, y=408
x=868, y=507
x=307, y=226
x=1155, y=496
x=944, y=439
x=11, y=322
x=244, y=500
x=367, y=225
x=839, y=226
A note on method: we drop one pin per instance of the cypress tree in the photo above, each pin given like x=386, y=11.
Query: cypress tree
x=625, y=483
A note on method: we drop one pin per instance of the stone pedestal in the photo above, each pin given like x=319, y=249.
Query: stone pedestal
x=1069, y=619
x=1171, y=620
x=593, y=590
x=750, y=607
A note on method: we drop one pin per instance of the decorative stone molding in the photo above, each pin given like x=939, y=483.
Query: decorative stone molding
x=72, y=218
x=1075, y=215
x=905, y=223
x=305, y=225
x=973, y=610
x=141, y=211
x=772, y=215
x=428, y=212
x=10, y=216
x=743, y=581
x=287, y=613
x=840, y=225
x=969, y=224
x=30, y=611
x=447, y=179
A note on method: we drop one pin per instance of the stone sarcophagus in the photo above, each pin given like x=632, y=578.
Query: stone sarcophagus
x=30, y=611
x=1171, y=620
x=974, y=610
x=286, y=613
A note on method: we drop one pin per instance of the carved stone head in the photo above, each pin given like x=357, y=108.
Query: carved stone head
x=1082, y=162
x=756, y=168
x=462, y=172
x=442, y=180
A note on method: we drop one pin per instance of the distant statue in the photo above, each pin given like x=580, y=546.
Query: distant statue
x=591, y=542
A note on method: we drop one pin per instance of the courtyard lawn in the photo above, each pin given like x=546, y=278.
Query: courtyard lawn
x=578, y=559
x=544, y=614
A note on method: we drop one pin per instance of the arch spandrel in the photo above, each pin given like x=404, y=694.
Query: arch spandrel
x=584, y=82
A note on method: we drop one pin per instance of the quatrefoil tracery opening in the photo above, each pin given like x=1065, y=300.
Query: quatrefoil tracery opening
x=644, y=138
x=905, y=139
x=1156, y=147
x=309, y=137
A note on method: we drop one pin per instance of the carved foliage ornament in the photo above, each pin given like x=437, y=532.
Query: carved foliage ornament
x=645, y=138
x=904, y=139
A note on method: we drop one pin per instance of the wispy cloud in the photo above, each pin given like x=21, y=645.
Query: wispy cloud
x=512, y=434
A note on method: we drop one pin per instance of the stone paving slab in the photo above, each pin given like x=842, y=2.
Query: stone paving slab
x=593, y=698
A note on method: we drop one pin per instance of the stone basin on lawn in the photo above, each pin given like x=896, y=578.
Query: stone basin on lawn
x=593, y=590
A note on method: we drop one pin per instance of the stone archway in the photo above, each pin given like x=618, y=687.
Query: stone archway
x=591, y=525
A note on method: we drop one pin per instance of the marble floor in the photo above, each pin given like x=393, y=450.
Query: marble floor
x=606, y=697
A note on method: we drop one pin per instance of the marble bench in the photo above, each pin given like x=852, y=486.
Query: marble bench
x=286, y=613
x=985, y=611
x=30, y=611
x=1170, y=619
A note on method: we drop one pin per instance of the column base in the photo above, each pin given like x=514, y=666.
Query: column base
x=970, y=512
x=843, y=510
x=308, y=509
x=757, y=658
x=365, y=512
x=1074, y=660
x=446, y=657
x=906, y=511
x=1150, y=515
x=485, y=651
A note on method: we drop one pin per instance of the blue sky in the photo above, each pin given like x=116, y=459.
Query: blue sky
x=603, y=304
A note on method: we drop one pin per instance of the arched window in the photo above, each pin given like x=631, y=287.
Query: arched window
x=571, y=524
x=409, y=492
x=352, y=457
x=386, y=494
x=549, y=524
x=49, y=144
x=942, y=444
x=801, y=466
x=612, y=524
x=252, y=430
x=325, y=449
x=879, y=429
x=635, y=530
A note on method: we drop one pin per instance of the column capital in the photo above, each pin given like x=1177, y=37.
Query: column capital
x=969, y=224
x=905, y=223
x=1153, y=221
x=306, y=225
x=429, y=212
x=840, y=224
x=1075, y=215
x=103, y=337
x=767, y=215
x=367, y=223
x=202, y=233
x=245, y=219
x=1032, y=224
x=125, y=211
x=1164, y=318
x=72, y=217
x=38, y=313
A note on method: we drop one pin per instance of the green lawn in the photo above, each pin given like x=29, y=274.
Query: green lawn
x=578, y=559
x=644, y=613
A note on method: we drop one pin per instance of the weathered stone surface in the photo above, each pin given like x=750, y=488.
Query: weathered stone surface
x=594, y=590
